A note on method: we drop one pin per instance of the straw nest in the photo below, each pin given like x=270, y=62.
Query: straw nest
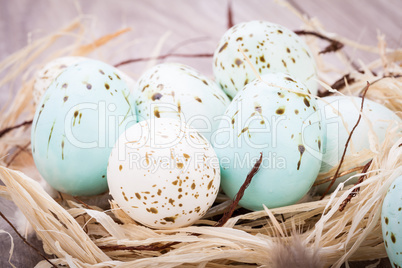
x=82, y=235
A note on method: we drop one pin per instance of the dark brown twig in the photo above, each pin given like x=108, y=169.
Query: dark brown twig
x=151, y=247
x=347, y=143
x=82, y=202
x=333, y=46
x=357, y=190
x=161, y=57
x=226, y=216
x=25, y=241
x=230, y=14
x=8, y=129
x=341, y=82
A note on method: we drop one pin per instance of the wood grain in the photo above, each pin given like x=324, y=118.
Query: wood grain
x=25, y=20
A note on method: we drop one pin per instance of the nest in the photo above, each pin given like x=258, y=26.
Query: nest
x=79, y=234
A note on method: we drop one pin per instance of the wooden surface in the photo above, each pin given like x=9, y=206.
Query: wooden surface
x=25, y=20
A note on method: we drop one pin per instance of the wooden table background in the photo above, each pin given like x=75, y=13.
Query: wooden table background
x=203, y=20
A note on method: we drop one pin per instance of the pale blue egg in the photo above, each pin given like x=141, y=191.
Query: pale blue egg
x=391, y=222
x=339, y=115
x=281, y=124
x=76, y=124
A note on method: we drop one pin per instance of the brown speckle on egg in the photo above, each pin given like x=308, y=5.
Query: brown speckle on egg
x=223, y=47
x=156, y=96
x=301, y=150
x=152, y=210
x=306, y=102
x=156, y=113
x=393, y=238
x=238, y=62
x=280, y=110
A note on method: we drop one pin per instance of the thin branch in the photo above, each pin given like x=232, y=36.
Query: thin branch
x=239, y=194
x=161, y=57
x=347, y=143
x=82, y=202
x=25, y=241
x=357, y=190
x=230, y=14
x=341, y=82
x=8, y=129
x=151, y=247
x=333, y=46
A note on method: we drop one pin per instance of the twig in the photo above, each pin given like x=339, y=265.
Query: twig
x=333, y=46
x=161, y=57
x=226, y=216
x=82, y=202
x=152, y=247
x=25, y=241
x=230, y=14
x=347, y=143
x=357, y=190
x=8, y=129
x=341, y=83
x=346, y=172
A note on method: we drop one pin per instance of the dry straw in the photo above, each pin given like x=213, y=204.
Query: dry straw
x=80, y=235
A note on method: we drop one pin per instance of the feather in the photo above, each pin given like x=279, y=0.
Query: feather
x=293, y=252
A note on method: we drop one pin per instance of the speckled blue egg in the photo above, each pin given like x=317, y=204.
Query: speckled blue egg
x=273, y=116
x=269, y=47
x=339, y=115
x=172, y=90
x=391, y=222
x=76, y=124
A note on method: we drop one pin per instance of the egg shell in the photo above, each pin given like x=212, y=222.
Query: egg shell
x=76, y=124
x=338, y=126
x=270, y=48
x=45, y=76
x=179, y=91
x=163, y=173
x=281, y=124
x=391, y=222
